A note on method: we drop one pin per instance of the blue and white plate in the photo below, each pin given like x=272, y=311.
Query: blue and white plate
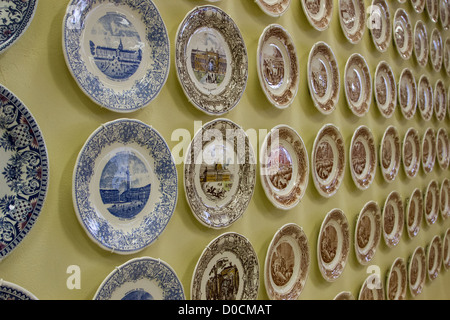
x=11, y=291
x=141, y=279
x=125, y=186
x=15, y=17
x=117, y=51
x=23, y=171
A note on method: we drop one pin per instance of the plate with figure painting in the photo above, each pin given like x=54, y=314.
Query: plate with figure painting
x=421, y=49
x=352, y=14
x=385, y=89
x=434, y=257
x=318, y=13
x=274, y=8
x=442, y=148
x=287, y=263
x=444, y=198
x=425, y=100
x=363, y=157
x=372, y=288
x=393, y=219
x=390, y=154
x=228, y=269
x=397, y=281
x=284, y=168
x=211, y=60
x=436, y=50
x=403, y=34
x=428, y=150
x=278, y=68
x=440, y=100
x=368, y=232
x=418, y=5
x=414, y=213
x=358, y=84
x=379, y=24
x=124, y=186
x=407, y=93
x=432, y=7
x=446, y=250
x=219, y=173
x=431, y=202
x=411, y=153
x=417, y=270
x=11, y=291
x=117, y=51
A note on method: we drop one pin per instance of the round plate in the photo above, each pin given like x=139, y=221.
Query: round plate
x=352, y=14
x=228, y=269
x=411, y=153
x=323, y=77
x=274, y=8
x=425, y=100
x=284, y=168
x=442, y=148
x=421, y=43
x=446, y=58
x=385, y=89
x=344, y=295
x=372, y=288
x=393, y=219
x=363, y=157
x=211, y=60
x=397, y=281
x=418, y=5
x=278, y=69
x=403, y=33
x=287, y=263
x=407, y=93
x=446, y=250
x=358, y=84
x=141, y=279
x=380, y=24
x=122, y=73
x=390, y=154
x=436, y=50
x=328, y=160
x=417, y=271
x=333, y=245
x=11, y=291
x=124, y=186
x=444, y=14
x=431, y=202
x=414, y=213
x=432, y=7
x=440, y=100
x=219, y=173
x=444, y=196
x=318, y=13
x=24, y=171
x=428, y=150
x=367, y=232
x=434, y=257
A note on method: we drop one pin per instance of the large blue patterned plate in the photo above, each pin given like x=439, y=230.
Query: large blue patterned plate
x=23, y=171
x=125, y=186
x=11, y=291
x=117, y=51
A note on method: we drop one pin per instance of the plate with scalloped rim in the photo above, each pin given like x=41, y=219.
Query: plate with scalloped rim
x=397, y=281
x=11, y=291
x=385, y=89
x=425, y=101
x=392, y=219
x=380, y=24
x=274, y=8
x=390, y=153
x=428, y=150
x=414, y=213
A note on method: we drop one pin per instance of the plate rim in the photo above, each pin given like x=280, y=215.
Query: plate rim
x=398, y=147
x=409, y=30
x=400, y=217
x=372, y=147
x=398, y=262
x=415, y=163
x=393, y=83
x=417, y=226
x=270, y=13
x=365, y=259
x=368, y=82
x=415, y=292
x=27, y=295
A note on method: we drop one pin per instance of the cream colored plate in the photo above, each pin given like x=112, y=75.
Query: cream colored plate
x=407, y=93
x=436, y=50
x=363, y=157
x=358, y=84
x=414, y=213
x=380, y=24
x=421, y=42
x=434, y=257
x=417, y=268
x=390, y=154
x=318, y=13
x=440, y=100
x=411, y=153
x=393, y=219
x=367, y=232
x=397, y=281
x=372, y=288
x=444, y=197
x=431, y=202
x=274, y=8
x=425, y=100
x=428, y=150
x=403, y=33
x=442, y=148
x=385, y=89
x=352, y=14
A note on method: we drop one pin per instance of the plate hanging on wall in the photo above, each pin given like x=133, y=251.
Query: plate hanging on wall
x=274, y=8
x=11, y=291
x=392, y=219
x=417, y=270
x=397, y=281
x=352, y=14
x=367, y=232
x=380, y=24
x=318, y=13
x=390, y=154
x=363, y=157
x=385, y=89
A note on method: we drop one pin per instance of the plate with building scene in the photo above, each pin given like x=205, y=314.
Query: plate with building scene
x=407, y=93
x=428, y=150
x=417, y=269
x=390, y=153
x=434, y=257
x=318, y=13
x=431, y=202
x=397, y=281
x=124, y=186
x=274, y=8
x=379, y=24
x=442, y=148
x=425, y=100
x=432, y=8
x=352, y=14
x=392, y=219
x=385, y=89
x=440, y=100
x=436, y=50
x=403, y=33
x=368, y=232
x=363, y=157
x=421, y=43
x=411, y=153
x=414, y=213
x=358, y=84
x=444, y=198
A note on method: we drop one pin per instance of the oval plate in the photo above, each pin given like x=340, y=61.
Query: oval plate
x=403, y=34
x=274, y=8
x=425, y=100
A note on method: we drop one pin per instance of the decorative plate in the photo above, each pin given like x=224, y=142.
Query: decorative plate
x=16, y=18
x=287, y=263
x=397, y=281
x=407, y=93
x=278, y=68
x=211, y=60
x=284, y=168
x=24, y=171
x=421, y=43
x=352, y=14
x=333, y=245
x=418, y=5
x=428, y=150
x=141, y=279
x=228, y=269
x=442, y=148
x=328, y=160
x=363, y=157
x=122, y=70
x=390, y=154
x=444, y=196
x=318, y=13
x=380, y=24
x=432, y=7
x=446, y=250
x=219, y=173
x=274, y=8
x=436, y=50
x=434, y=257
x=403, y=33
x=414, y=213
x=446, y=58
x=372, y=288
x=323, y=77
x=358, y=84
x=368, y=232
x=393, y=219
x=124, y=186
x=417, y=271
x=444, y=14
x=385, y=89
x=440, y=100
x=344, y=295
x=425, y=100
x=411, y=153
x=431, y=202
x=11, y=291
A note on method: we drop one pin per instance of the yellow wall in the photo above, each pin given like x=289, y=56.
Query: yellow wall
x=34, y=69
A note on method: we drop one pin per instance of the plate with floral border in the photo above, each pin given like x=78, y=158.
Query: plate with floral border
x=352, y=14
x=421, y=42
x=358, y=84
x=444, y=14
x=440, y=100
x=436, y=50
x=425, y=100
x=380, y=24
x=363, y=157
x=446, y=58
x=434, y=257
x=446, y=250
x=24, y=171
x=442, y=148
x=117, y=51
x=318, y=13
x=393, y=219
x=407, y=93
x=411, y=153
x=431, y=202
x=11, y=291
x=444, y=197
x=432, y=7
x=417, y=269
x=372, y=288
x=428, y=150
x=368, y=232
x=390, y=153
x=274, y=8
x=124, y=186
x=403, y=34
x=418, y=5
x=397, y=281
x=385, y=89
x=414, y=213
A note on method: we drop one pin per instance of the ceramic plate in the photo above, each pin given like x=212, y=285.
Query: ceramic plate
x=211, y=60
x=358, y=84
x=323, y=77
x=414, y=213
x=274, y=8
x=393, y=219
x=367, y=232
x=284, y=167
x=16, y=18
x=219, y=173
x=278, y=68
x=344, y=295
x=432, y=7
x=390, y=154
x=352, y=14
x=328, y=160
x=228, y=269
x=436, y=50
x=446, y=58
x=431, y=202
x=442, y=148
x=407, y=93
x=318, y=13
x=434, y=257
x=403, y=33
x=417, y=271
x=425, y=100
x=411, y=153
x=363, y=157
x=11, y=291
x=421, y=43
x=117, y=51
x=397, y=281
x=385, y=89
x=124, y=186
x=380, y=24
x=418, y=5
x=24, y=171
x=440, y=100
x=446, y=250
x=444, y=14
x=444, y=196
x=428, y=150
x=372, y=288
x=333, y=245
x=287, y=263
